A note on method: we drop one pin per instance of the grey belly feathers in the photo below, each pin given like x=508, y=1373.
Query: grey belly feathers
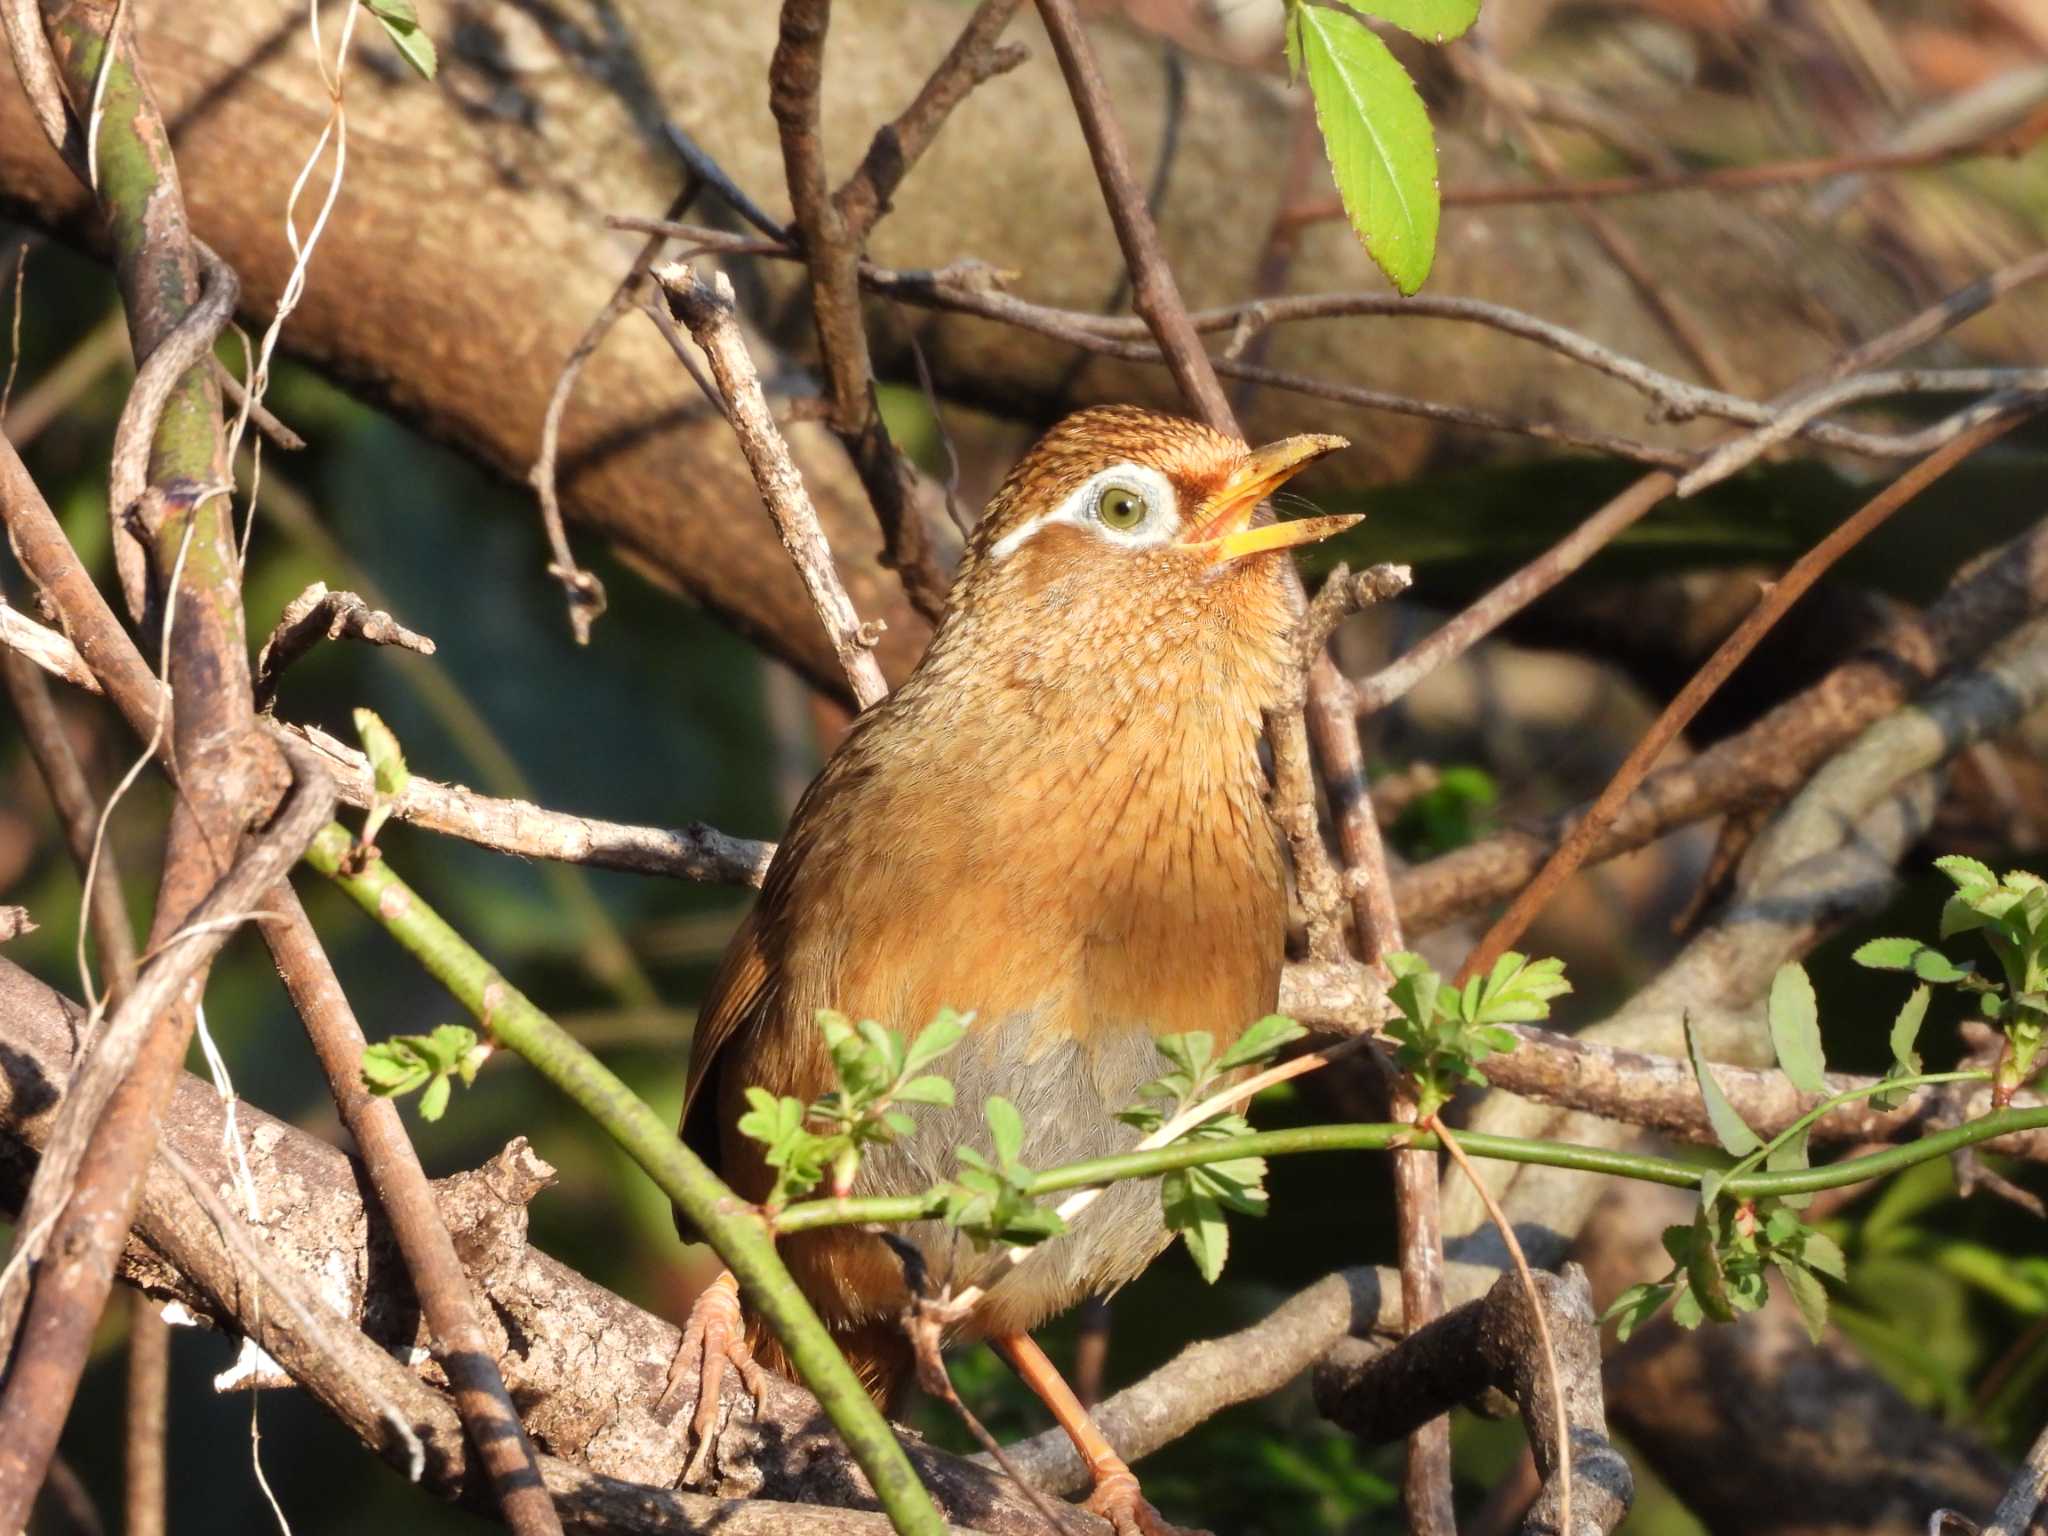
x=1068, y=1103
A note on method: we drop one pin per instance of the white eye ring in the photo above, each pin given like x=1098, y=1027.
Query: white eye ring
x=1159, y=524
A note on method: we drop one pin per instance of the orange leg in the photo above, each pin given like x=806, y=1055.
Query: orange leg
x=1116, y=1497
x=715, y=1336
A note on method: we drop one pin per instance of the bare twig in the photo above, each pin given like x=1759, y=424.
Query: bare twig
x=437, y=1276
x=1679, y=713
x=707, y=312
x=972, y=288
x=317, y=614
x=146, y=1482
x=40, y=1386
x=2005, y=143
x=584, y=591
x=830, y=231
x=1496, y=1342
x=2023, y=1500
x=44, y=648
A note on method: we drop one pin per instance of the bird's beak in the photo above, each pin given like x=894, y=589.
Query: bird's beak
x=1226, y=534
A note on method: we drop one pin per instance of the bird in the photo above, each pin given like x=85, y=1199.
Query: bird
x=1058, y=826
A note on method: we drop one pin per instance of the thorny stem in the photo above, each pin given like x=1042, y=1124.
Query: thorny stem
x=738, y=1233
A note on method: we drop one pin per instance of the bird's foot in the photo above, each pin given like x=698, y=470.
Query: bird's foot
x=1118, y=1500
x=715, y=1336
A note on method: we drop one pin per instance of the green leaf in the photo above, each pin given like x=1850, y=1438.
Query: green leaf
x=1636, y=1306
x=1932, y=965
x=1787, y=1156
x=387, y=763
x=1964, y=871
x=1259, y=1041
x=1959, y=914
x=1198, y=1220
x=1906, y=1028
x=1888, y=954
x=937, y=1038
x=1007, y=1127
x=1415, y=987
x=1434, y=21
x=413, y=45
x=1378, y=138
x=929, y=1089
x=1686, y=1310
x=1795, y=1028
x=1729, y=1127
x=1707, y=1280
x=1517, y=991
x=435, y=1099
x=1821, y=1252
x=1808, y=1294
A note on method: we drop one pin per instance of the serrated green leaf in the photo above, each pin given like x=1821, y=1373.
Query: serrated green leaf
x=1888, y=954
x=413, y=45
x=1434, y=21
x=1906, y=1028
x=1415, y=989
x=435, y=1099
x=1635, y=1307
x=1686, y=1310
x=390, y=1068
x=1821, y=1252
x=1795, y=1029
x=1705, y=1277
x=1788, y=1156
x=937, y=1038
x=1006, y=1126
x=1808, y=1294
x=1377, y=134
x=1730, y=1129
x=1965, y=871
x=929, y=1089
x=1960, y=915
x=1260, y=1040
x=1931, y=964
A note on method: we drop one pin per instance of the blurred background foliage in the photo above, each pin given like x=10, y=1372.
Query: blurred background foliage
x=667, y=717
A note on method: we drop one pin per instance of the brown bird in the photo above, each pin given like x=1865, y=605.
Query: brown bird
x=1058, y=822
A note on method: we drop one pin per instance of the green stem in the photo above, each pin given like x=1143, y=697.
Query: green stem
x=729, y=1224
x=810, y=1214
x=1849, y=1096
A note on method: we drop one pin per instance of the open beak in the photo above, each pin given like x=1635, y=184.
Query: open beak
x=1227, y=533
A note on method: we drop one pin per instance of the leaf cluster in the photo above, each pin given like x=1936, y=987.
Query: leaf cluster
x=2011, y=916
x=395, y=1067
x=1445, y=1032
x=878, y=1071
x=990, y=1199
x=1194, y=1199
x=1720, y=1262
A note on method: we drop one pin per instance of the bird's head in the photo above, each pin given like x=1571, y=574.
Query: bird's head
x=1126, y=535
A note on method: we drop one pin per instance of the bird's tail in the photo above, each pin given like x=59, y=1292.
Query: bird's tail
x=878, y=1352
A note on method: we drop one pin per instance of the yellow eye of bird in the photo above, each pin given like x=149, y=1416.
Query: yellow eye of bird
x=1120, y=508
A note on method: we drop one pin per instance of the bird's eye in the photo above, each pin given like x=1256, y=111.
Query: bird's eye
x=1120, y=508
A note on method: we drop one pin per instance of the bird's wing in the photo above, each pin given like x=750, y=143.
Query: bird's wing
x=735, y=991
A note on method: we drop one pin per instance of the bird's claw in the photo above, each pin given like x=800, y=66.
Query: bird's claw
x=715, y=1336
x=1118, y=1500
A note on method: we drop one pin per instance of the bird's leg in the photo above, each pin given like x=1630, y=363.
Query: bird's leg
x=1116, y=1497
x=715, y=1334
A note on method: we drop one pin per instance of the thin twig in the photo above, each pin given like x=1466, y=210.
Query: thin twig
x=146, y=1478
x=1537, y=1311
x=1787, y=590
x=707, y=312
x=2005, y=143
x=317, y=613
x=583, y=590
x=431, y=1261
